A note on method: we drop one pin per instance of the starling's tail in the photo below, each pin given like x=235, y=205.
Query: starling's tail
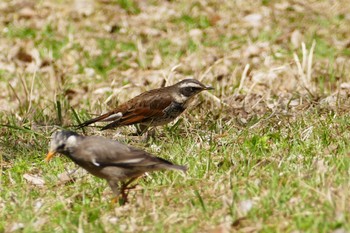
x=179, y=167
x=170, y=166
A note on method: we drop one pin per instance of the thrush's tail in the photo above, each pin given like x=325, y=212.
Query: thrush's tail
x=103, y=117
x=111, y=125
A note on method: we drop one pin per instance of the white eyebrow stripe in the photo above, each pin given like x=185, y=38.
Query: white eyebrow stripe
x=113, y=117
x=95, y=163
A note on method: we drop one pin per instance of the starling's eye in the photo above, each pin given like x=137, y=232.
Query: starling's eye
x=61, y=147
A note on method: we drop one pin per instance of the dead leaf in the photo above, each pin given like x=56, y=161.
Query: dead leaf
x=37, y=205
x=321, y=166
x=16, y=226
x=34, y=179
x=26, y=13
x=220, y=229
x=345, y=85
x=253, y=19
x=340, y=230
x=296, y=38
x=196, y=35
x=71, y=175
x=157, y=60
x=24, y=56
x=65, y=178
x=84, y=7
x=39, y=223
x=245, y=206
x=238, y=222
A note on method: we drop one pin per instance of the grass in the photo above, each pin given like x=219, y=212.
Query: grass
x=267, y=150
x=296, y=179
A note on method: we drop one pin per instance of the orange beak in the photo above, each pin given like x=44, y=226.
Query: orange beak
x=49, y=156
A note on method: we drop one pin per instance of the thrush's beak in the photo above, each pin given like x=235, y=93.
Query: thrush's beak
x=209, y=88
x=49, y=156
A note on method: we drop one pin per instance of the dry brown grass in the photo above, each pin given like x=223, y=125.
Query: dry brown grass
x=280, y=70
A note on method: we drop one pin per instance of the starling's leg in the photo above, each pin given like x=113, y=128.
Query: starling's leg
x=125, y=187
x=123, y=193
x=114, y=184
x=129, y=182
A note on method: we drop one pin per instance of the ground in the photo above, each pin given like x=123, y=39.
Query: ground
x=267, y=150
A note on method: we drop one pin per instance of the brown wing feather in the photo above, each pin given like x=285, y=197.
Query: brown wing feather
x=139, y=109
x=131, y=120
x=142, y=110
x=140, y=115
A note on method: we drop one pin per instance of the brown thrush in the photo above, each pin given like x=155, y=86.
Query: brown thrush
x=152, y=108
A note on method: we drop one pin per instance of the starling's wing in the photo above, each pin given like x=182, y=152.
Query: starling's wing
x=143, y=109
x=104, y=153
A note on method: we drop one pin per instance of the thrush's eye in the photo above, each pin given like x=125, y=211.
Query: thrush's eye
x=188, y=91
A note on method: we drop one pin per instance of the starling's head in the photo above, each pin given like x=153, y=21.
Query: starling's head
x=62, y=142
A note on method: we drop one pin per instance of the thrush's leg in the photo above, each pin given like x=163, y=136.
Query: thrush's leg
x=143, y=132
x=140, y=130
x=151, y=134
x=147, y=132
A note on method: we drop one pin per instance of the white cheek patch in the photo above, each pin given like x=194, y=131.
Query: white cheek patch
x=180, y=98
x=71, y=141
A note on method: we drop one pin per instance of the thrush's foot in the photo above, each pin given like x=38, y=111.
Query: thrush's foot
x=151, y=134
x=138, y=132
x=135, y=134
x=141, y=137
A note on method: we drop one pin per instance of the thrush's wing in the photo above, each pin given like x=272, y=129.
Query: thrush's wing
x=103, y=153
x=143, y=109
